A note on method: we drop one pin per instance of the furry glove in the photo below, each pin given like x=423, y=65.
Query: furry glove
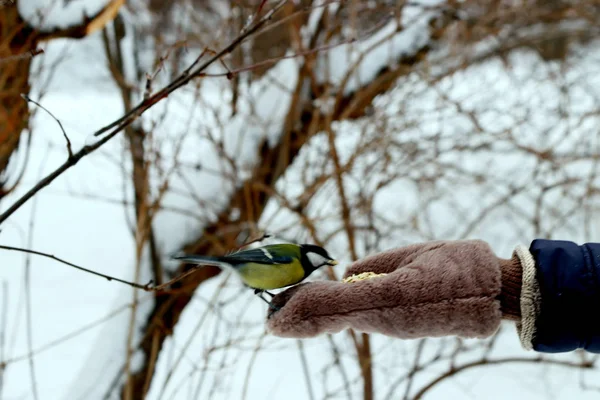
x=431, y=289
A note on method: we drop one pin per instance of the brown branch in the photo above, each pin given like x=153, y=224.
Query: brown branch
x=320, y=49
x=22, y=56
x=251, y=363
x=256, y=15
x=366, y=366
x=453, y=371
x=17, y=42
x=30, y=100
x=144, y=212
x=136, y=138
x=305, y=369
x=363, y=348
x=62, y=339
x=89, y=271
x=415, y=368
x=303, y=120
x=88, y=26
x=184, y=348
x=223, y=233
x=336, y=361
x=3, y=325
x=28, y=308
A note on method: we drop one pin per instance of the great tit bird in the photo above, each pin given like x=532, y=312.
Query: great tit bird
x=268, y=267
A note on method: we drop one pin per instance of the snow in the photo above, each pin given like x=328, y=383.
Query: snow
x=354, y=63
x=52, y=14
x=81, y=219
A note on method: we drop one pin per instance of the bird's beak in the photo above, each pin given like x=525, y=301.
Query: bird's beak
x=332, y=262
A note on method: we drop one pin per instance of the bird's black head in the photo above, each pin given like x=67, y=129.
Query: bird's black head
x=314, y=257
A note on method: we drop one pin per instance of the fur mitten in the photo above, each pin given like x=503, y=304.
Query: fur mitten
x=439, y=288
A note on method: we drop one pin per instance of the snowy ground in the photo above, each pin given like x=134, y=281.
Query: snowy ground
x=81, y=218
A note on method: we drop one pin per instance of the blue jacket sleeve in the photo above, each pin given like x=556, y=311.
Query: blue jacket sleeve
x=569, y=279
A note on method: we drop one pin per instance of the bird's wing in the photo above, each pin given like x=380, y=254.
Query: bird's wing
x=261, y=255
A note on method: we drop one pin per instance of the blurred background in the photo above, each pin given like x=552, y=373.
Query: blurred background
x=356, y=125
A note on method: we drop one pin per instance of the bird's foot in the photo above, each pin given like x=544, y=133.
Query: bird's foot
x=272, y=307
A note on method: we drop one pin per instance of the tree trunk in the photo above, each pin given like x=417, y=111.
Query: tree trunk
x=17, y=43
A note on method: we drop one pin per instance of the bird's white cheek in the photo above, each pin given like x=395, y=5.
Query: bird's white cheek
x=316, y=259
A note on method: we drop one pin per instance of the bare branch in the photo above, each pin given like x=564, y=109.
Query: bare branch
x=55, y=342
x=28, y=308
x=305, y=369
x=585, y=364
x=3, y=329
x=88, y=26
x=147, y=287
x=89, y=271
x=29, y=99
x=117, y=126
x=28, y=54
x=321, y=49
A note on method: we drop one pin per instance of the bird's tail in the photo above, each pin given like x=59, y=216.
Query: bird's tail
x=202, y=260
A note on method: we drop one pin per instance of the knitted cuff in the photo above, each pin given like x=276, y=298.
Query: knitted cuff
x=530, y=298
x=510, y=296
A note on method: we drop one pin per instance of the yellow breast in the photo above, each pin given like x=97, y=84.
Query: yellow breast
x=266, y=277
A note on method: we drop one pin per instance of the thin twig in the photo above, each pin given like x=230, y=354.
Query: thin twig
x=305, y=369
x=255, y=240
x=337, y=362
x=176, y=279
x=189, y=74
x=150, y=77
x=415, y=368
x=146, y=287
x=28, y=310
x=253, y=19
x=453, y=371
x=191, y=337
x=55, y=342
x=321, y=49
x=255, y=352
x=363, y=349
x=3, y=318
x=210, y=351
x=29, y=99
